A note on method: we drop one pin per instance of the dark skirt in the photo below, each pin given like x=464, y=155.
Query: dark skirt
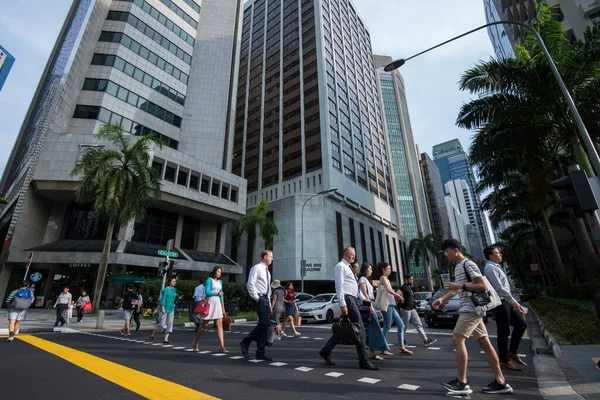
x=290, y=309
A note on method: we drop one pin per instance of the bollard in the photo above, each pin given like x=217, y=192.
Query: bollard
x=100, y=320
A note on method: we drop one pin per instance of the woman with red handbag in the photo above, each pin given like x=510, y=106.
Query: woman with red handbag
x=82, y=304
x=216, y=311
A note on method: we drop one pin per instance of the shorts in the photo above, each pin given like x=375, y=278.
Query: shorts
x=16, y=315
x=127, y=314
x=470, y=324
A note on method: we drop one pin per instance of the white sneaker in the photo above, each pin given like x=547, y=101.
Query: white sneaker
x=277, y=337
x=10, y=339
x=297, y=334
x=283, y=334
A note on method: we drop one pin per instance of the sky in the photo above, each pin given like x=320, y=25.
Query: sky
x=399, y=28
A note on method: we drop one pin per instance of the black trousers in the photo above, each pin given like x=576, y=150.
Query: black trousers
x=60, y=309
x=506, y=316
x=354, y=315
x=259, y=333
x=79, y=314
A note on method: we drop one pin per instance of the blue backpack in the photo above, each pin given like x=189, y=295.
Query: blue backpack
x=22, y=300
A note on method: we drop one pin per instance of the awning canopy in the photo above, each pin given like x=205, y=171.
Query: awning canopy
x=126, y=279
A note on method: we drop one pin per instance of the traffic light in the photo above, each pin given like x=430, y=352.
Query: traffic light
x=162, y=267
x=170, y=269
x=575, y=191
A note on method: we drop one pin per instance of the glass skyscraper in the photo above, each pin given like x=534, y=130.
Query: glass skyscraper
x=453, y=164
x=6, y=63
x=410, y=194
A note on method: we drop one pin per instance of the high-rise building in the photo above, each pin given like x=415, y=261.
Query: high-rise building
x=461, y=195
x=454, y=164
x=576, y=16
x=497, y=33
x=434, y=193
x=6, y=63
x=458, y=222
x=410, y=194
x=308, y=119
x=150, y=66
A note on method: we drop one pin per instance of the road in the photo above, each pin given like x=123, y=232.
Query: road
x=104, y=365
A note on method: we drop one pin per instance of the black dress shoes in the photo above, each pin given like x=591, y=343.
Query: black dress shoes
x=369, y=366
x=264, y=358
x=327, y=358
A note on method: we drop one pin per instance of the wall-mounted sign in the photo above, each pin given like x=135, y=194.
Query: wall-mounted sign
x=80, y=265
x=312, y=267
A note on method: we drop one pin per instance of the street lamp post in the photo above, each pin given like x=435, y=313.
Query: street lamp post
x=303, y=261
x=583, y=133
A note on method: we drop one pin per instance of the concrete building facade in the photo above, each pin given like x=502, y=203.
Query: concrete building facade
x=435, y=193
x=308, y=119
x=150, y=66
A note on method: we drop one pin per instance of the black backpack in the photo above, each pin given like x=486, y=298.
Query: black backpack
x=132, y=300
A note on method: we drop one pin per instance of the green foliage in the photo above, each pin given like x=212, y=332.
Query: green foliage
x=572, y=321
x=232, y=291
x=580, y=291
x=3, y=200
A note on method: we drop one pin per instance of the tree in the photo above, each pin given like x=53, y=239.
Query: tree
x=267, y=230
x=420, y=247
x=3, y=200
x=120, y=184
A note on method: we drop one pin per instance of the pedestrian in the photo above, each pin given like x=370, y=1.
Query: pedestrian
x=386, y=301
x=375, y=338
x=130, y=301
x=346, y=287
x=259, y=289
x=82, y=300
x=469, y=322
x=18, y=301
x=291, y=309
x=32, y=290
x=408, y=313
x=356, y=269
x=166, y=305
x=61, y=304
x=277, y=306
x=137, y=312
x=70, y=312
x=214, y=294
x=199, y=295
x=508, y=313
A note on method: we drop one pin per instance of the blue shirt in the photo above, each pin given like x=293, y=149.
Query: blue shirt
x=199, y=292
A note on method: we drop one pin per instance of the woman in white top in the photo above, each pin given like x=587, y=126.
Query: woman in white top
x=386, y=301
x=375, y=339
x=216, y=312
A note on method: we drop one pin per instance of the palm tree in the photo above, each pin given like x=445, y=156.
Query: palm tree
x=420, y=247
x=267, y=230
x=120, y=184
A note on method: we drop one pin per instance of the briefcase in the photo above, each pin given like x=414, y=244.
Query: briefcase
x=346, y=332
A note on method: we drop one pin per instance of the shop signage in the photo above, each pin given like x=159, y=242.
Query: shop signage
x=166, y=253
x=312, y=267
x=80, y=265
x=35, y=277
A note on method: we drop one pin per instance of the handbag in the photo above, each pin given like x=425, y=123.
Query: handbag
x=87, y=307
x=346, y=332
x=365, y=312
x=227, y=324
x=203, y=308
x=486, y=300
x=297, y=320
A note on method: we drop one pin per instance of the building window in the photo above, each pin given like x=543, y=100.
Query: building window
x=170, y=174
x=157, y=227
x=194, y=182
x=182, y=178
x=215, y=189
x=205, y=185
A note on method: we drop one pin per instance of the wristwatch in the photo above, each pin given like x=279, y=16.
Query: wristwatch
x=464, y=287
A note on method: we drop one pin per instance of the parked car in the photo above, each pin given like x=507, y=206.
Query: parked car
x=322, y=307
x=302, y=298
x=422, y=300
x=446, y=314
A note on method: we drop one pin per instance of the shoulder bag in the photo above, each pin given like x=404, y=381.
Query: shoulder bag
x=203, y=308
x=483, y=301
x=346, y=332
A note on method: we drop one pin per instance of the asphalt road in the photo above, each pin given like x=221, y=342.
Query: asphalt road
x=296, y=373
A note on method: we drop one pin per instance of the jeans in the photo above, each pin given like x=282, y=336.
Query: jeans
x=388, y=316
x=60, y=309
x=412, y=316
x=354, y=316
x=505, y=317
x=259, y=333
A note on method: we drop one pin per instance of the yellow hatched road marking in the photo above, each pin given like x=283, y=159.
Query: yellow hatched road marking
x=145, y=385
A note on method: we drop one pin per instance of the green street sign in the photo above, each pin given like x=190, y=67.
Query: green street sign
x=166, y=253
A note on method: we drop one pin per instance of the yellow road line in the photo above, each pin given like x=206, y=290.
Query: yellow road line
x=145, y=385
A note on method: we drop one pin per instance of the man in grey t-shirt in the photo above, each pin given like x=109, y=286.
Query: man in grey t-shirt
x=467, y=278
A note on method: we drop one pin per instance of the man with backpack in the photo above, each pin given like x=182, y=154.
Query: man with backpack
x=130, y=301
x=18, y=302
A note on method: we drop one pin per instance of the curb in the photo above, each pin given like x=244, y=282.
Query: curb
x=552, y=342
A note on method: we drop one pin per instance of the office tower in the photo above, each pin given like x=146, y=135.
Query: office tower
x=410, y=195
x=576, y=16
x=308, y=120
x=497, y=33
x=6, y=63
x=152, y=66
x=453, y=163
x=458, y=222
x=434, y=193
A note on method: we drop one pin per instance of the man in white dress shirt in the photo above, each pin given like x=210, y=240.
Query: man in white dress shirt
x=259, y=289
x=346, y=286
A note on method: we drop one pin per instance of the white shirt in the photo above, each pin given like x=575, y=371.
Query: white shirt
x=345, y=281
x=259, y=281
x=361, y=296
x=63, y=298
x=199, y=292
x=494, y=273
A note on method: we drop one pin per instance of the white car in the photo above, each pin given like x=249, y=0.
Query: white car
x=322, y=307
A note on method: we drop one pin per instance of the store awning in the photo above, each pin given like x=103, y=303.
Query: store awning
x=126, y=279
